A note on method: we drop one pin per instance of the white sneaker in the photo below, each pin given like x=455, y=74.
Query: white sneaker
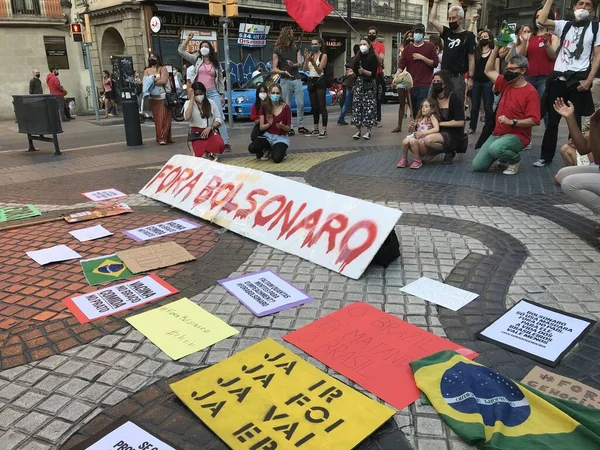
x=529, y=147
x=356, y=135
x=513, y=169
x=540, y=163
x=379, y=124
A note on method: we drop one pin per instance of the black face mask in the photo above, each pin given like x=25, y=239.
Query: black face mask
x=37, y=75
x=438, y=87
x=152, y=61
x=511, y=76
x=484, y=42
x=454, y=26
x=372, y=37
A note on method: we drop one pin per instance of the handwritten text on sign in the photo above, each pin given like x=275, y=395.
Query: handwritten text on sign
x=129, y=436
x=373, y=349
x=266, y=397
x=335, y=231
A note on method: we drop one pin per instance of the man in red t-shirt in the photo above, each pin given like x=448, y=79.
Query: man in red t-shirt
x=379, y=48
x=518, y=112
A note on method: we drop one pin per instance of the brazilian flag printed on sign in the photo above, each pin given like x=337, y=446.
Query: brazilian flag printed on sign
x=104, y=269
x=490, y=411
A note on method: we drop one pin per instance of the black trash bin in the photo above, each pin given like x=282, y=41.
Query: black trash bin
x=37, y=115
x=131, y=117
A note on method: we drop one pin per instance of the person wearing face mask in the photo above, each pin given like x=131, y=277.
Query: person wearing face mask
x=518, y=112
x=364, y=108
x=403, y=99
x=459, y=48
x=205, y=121
x=157, y=76
x=35, y=84
x=207, y=70
x=379, y=49
x=576, y=65
x=55, y=87
x=314, y=63
x=261, y=95
x=482, y=86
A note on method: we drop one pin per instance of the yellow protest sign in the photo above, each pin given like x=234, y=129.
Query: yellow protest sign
x=267, y=397
x=181, y=328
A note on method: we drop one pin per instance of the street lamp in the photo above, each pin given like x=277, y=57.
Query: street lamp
x=66, y=6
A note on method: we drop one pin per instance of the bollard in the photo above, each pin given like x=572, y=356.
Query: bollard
x=131, y=117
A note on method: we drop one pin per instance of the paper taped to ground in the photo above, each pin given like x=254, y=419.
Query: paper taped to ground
x=268, y=397
x=150, y=257
x=90, y=234
x=439, y=293
x=264, y=292
x=565, y=388
x=108, y=210
x=372, y=348
x=335, y=231
x=181, y=328
x=104, y=269
x=53, y=254
x=18, y=212
x=161, y=229
x=103, y=195
x=117, y=298
x=539, y=332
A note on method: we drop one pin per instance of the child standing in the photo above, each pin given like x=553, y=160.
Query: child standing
x=427, y=122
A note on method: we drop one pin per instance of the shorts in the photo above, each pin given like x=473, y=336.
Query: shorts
x=109, y=95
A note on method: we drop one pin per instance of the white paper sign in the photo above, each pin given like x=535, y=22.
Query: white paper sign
x=335, y=231
x=53, y=254
x=90, y=233
x=264, y=292
x=161, y=229
x=541, y=332
x=103, y=195
x=129, y=436
x=439, y=293
x=110, y=300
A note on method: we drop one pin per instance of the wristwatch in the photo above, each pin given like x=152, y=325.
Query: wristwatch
x=515, y=122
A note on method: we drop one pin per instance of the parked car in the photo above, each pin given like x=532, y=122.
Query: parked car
x=244, y=97
x=391, y=93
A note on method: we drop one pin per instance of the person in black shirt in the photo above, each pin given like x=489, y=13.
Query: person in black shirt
x=35, y=85
x=459, y=48
x=482, y=86
x=364, y=109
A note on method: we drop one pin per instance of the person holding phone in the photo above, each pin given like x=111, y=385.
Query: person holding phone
x=205, y=120
x=314, y=62
x=162, y=115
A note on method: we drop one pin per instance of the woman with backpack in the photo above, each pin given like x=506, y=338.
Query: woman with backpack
x=315, y=62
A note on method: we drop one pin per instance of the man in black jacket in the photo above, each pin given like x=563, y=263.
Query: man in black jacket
x=35, y=84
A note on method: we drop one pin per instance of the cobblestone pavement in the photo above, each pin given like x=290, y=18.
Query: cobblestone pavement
x=503, y=239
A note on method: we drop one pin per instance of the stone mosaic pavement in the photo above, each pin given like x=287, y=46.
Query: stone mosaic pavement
x=503, y=239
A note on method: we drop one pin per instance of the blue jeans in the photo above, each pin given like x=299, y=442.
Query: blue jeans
x=214, y=95
x=347, y=104
x=539, y=83
x=481, y=90
x=289, y=87
x=417, y=96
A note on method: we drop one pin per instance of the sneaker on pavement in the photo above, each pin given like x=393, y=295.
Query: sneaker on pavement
x=291, y=132
x=303, y=130
x=540, y=163
x=512, y=169
x=323, y=134
x=378, y=124
x=402, y=163
x=501, y=165
x=449, y=158
x=529, y=147
x=367, y=135
x=312, y=133
x=416, y=164
x=342, y=122
x=356, y=135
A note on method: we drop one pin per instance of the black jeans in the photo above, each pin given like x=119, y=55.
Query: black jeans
x=260, y=145
x=317, y=88
x=481, y=90
x=380, y=83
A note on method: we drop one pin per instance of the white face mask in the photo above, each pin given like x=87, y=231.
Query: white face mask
x=364, y=48
x=200, y=98
x=204, y=51
x=581, y=14
x=262, y=95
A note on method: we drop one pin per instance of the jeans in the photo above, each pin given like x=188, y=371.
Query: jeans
x=347, y=104
x=61, y=107
x=582, y=185
x=539, y=83
x=506, y=149
x=214, y=95
x=417, y=96
x=481, y=90
x=289, y=87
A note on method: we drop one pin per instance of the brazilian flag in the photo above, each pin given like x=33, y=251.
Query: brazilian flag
x=104, y=269
x=490, y=411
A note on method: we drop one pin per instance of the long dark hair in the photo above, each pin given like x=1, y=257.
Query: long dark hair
x=212, y=56
x=258, y=102
x=267, y=105
x=362, y=58
x=445, y=76
x=159, y=62
x=478, y=50
x=205, y=109
x=534, y=27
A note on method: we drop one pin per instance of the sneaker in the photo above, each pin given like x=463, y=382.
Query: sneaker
x=449, y=158
x=378, y=124
x=367, y=135
x=267, y=155
x=303, y=130
x=312, y=133
x=323, y=134
x=227, y=148
x=529, y=147
x=416, y=164
x=513, y=169
x=402, y=163
x=540, y=163
x=291, y=132
x=342, y=122
x=259, y=156
x=356, y=135
x=501, y=165
x=111, y=114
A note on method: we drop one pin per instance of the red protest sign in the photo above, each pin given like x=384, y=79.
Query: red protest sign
x=373, y=349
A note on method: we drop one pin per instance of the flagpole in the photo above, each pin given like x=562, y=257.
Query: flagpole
x=347, y=23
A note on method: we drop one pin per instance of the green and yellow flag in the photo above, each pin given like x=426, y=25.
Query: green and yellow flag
x=104, y=269
x=490, y=411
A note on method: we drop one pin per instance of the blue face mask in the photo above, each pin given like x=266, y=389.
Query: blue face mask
x=314, y=48
x=275, y=97
x=418, y=37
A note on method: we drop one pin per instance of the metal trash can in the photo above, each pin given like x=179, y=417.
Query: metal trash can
x=131, y=117
x=37, y=115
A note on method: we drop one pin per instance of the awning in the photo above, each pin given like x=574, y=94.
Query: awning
x=203, y=11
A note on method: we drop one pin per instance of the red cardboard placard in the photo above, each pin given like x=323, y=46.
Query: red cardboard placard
x=373, y=349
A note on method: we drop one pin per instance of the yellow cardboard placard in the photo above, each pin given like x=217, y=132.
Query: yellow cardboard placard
x=181, y=328
x=268, y=397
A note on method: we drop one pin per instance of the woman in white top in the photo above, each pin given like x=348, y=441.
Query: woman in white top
x=205, y=120
x=315, y=62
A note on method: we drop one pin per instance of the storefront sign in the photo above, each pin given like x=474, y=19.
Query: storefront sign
x=250, y=35
x=155, y=24
x=335, y=231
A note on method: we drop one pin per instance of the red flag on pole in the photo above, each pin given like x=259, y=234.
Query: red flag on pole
x=308, y=13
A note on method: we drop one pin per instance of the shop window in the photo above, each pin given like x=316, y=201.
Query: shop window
x=56, y=52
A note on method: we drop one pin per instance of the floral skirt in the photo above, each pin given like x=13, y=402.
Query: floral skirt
x=364, y=105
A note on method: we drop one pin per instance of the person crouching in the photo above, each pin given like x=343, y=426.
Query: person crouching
x=205, y=120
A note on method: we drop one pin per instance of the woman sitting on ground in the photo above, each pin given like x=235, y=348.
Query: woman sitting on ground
x=205, y=120
x=260, y=96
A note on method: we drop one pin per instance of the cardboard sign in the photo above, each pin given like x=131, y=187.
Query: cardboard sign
x=90, y=233
x=103, y=195
x=108, y=210
x=562, y=387
x=373, y=349
x=439, y=293
x=335, y=231
x=539, y=332
x=56, y=253
x=18, y=213
x=114, y=299
x=161, y=229
x=181, y=328
x=264, y=292
x=150, y=257
x=104, y=269
x=267, y=397
x=123, y=434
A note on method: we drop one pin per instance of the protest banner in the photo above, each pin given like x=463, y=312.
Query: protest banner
x=104, y=268
x=114, y=299
x=250, y=35
x=539, y=332
x=151, y=257
x=335, y=231
x=268, y=397
x=264, y=292
x=373, y=349
x=439, y=293
x=161, y=229
x=108, y=210
x=18, y=212
x=103, y=195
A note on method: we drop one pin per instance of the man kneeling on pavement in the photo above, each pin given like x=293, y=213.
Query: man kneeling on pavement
x=518, y=112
